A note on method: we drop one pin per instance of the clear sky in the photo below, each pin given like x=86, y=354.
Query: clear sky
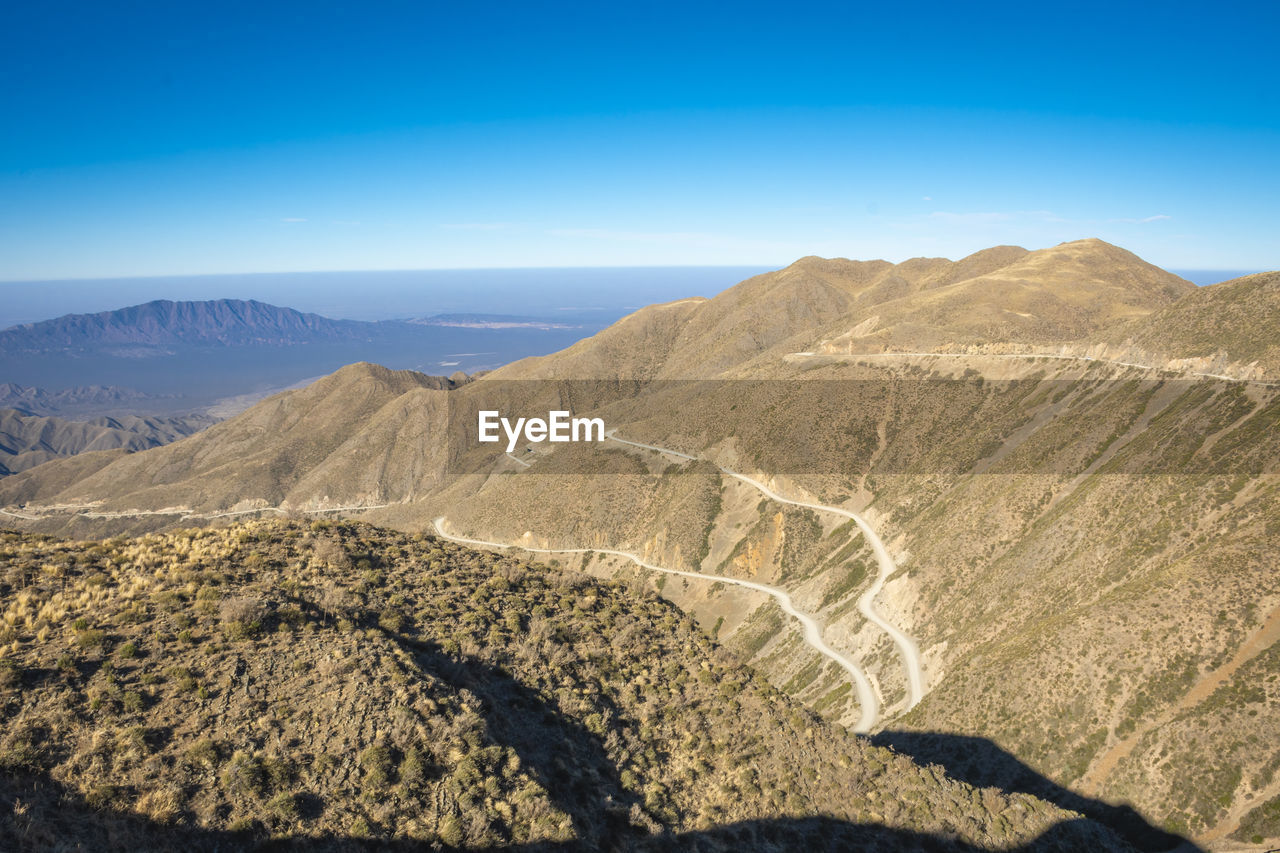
x=147, y=138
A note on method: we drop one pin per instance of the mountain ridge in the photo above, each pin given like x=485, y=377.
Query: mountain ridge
x=1235, y=318
x=30, y=440
x=85, y=400
x=1064, y=293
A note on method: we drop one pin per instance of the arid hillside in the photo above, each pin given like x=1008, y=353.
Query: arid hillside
x=1115, y=530
x=1047, y=297
x=30, y=440
x=1235, y=321
x=287, y=443
x=337, y=683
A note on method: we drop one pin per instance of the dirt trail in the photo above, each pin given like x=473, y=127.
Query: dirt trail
x=907, y=648
x=1021, y=355
x=869, y=706
x=182, y=513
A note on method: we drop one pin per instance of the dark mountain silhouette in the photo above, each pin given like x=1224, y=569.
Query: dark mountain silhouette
x=221, y=322
x=184, y=356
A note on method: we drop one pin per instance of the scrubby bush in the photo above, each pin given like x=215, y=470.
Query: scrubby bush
x=10, y=674
x=203, y=753
x=378, y=765
x=242, y=616
x=245, y=776
x=284, y=806
x=91, y=639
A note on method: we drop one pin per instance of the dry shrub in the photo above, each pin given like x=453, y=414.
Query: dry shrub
x=242, y=616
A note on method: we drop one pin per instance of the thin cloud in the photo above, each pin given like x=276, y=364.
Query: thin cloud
x=994, y=217
x=634, y=236
x=1159, y=217
x=988, y=221
x=978, y=218
x=476, y=226
x=293, y=219
x=970, y=218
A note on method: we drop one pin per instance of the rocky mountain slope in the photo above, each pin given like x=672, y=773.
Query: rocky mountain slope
x=1112, y=529
x=84, y=401
x=1235, y=321
x=336, y=683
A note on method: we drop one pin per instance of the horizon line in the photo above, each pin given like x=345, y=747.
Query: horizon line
x=68, y=279
x=150, y=276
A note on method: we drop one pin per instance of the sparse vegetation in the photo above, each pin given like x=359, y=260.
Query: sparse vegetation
x=457, y=725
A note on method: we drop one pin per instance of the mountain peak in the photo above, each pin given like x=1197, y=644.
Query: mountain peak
x=839, y=266
x=1089, y=245
x=1089, y=262
x=1088, y=241
x=365, y=373
x=1094, y=250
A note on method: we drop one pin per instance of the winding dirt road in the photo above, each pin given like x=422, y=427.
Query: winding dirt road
x=868, y=704
x=1027, y=355
x=867, y=698
x=182, y=513
x=907, y=648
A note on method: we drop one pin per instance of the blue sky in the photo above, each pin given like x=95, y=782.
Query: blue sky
x=174, y=138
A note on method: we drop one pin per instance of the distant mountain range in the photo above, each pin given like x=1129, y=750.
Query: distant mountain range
x=493, y=321
x=162, y=325
x=180, y=356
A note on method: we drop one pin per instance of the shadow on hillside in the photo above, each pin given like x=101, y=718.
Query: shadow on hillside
x=38, y=813
x=570, y=761
x=573, y=765
x=980, y=762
